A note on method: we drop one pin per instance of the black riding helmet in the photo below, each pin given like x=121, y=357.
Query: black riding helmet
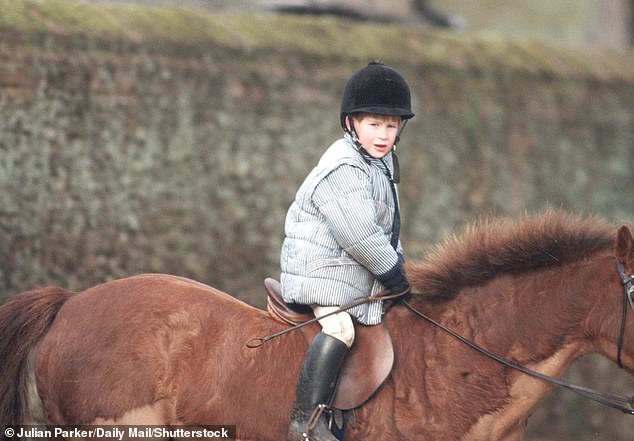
x=377, y=89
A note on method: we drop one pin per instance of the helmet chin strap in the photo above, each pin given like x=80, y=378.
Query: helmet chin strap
x=355, y=138
x=396, y=178
x=396, y=175
x=398, y=135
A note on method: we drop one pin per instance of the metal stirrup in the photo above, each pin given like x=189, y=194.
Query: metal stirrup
x=314, y=418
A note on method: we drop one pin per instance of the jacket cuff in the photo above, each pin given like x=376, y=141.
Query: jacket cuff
x=394, y=277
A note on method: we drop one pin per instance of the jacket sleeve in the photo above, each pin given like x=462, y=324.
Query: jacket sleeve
x=344, y=199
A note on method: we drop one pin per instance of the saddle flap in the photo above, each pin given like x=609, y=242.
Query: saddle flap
x=366, y=367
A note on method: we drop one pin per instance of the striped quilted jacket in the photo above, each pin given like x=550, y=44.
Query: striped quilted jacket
x=338, y=232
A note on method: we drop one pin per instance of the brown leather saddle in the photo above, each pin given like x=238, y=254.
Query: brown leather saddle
x=368, y=363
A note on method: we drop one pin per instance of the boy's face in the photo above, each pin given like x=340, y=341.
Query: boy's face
x=377, y=133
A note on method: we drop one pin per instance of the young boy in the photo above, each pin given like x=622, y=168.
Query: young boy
x=342, y=234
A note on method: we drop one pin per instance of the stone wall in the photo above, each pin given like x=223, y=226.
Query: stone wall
x=127, y=147
x=121, y=156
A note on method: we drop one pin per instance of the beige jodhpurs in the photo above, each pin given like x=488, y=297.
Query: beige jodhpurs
x=339, y=326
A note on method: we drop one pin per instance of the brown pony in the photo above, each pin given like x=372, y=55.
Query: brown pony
x=159, y=349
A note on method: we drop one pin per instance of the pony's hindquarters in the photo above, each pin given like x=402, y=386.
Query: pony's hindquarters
x=24, y=319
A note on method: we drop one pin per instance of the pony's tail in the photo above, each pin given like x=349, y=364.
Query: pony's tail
x=24, y=319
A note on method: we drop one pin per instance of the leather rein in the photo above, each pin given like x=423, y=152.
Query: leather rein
x=620, y=402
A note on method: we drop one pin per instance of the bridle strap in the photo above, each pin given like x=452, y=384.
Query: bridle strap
x=628, y=293
x=621, y=332
x=620, y=402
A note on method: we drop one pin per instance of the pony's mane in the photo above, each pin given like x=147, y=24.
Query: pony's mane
x=493, y=246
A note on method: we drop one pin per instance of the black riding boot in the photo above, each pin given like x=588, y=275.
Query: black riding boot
x=317, y=381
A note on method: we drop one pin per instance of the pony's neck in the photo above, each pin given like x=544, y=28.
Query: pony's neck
x=531, y=316
x=537, y=319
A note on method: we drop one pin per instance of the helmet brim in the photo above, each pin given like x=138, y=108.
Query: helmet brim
x=382, y=110
x=377, y=110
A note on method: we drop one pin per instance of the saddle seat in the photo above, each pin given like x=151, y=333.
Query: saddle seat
x=366, y=366
x=287, y=313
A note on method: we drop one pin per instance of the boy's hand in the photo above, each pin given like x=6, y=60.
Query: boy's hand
x=395, y=279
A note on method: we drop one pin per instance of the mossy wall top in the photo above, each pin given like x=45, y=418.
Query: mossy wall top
x=162, y=139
